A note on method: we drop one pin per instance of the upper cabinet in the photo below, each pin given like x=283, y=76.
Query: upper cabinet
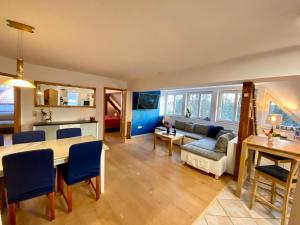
x=63, y=95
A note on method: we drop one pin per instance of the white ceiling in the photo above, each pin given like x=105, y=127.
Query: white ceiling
x=132, y=39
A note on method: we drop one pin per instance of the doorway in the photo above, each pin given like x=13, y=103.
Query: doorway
x=114, y=115
x=10, y=118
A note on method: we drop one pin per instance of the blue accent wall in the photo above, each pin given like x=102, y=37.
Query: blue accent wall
x=147, y=119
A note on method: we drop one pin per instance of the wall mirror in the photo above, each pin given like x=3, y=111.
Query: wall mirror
x=63, y=95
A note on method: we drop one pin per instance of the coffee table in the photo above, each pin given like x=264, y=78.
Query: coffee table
x=170, y=138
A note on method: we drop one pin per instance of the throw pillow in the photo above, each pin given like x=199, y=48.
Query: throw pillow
x=179, y=125
x=221, y=144
x=213, y=131
x=221, y=132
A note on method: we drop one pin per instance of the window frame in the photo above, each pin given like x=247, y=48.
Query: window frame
x=200, y=93
x=287, y=112
x=235, y=106
x=183, y=104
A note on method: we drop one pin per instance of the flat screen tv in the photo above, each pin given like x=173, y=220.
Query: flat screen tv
x=148, y=101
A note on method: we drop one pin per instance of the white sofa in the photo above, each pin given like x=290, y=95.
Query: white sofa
x=216, y=166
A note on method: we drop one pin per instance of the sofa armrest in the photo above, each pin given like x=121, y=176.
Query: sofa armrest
x=231, y=151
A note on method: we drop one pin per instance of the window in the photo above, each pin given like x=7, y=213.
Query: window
x=170, y=104
x=286, y=119
x=175, y=105
x=239, y=104
x=161, y=105
x=6, y=104
x=178, y=104
x=200, y=104
x=230, y=106
x=205, y=105
x=193, y=104
x=73, y=98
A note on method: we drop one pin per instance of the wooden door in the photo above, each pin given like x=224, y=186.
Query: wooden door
x=123, y=115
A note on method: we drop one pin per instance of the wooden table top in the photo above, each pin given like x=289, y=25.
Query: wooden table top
x=170, y=136
x=284, y=146
x=60, y=148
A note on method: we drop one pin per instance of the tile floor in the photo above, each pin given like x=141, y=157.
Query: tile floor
x=228, y=209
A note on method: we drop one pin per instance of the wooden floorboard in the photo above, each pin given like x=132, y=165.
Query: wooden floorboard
x=142, y=187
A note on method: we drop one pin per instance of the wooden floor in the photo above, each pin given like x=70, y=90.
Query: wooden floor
x=143, y=187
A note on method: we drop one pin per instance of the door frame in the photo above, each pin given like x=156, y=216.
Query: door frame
x=17, y=104
x=123, y=111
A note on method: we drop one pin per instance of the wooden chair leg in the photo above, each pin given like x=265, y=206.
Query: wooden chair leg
x=255, y=183
x=97, y=187
x=273, y=192
x=69, y=198
x=285, y=205
x=60, y=182
x=2, y=194
x=52, y=205
x=12, y=216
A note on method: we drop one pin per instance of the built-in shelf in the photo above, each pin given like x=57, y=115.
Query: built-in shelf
x=63, y=122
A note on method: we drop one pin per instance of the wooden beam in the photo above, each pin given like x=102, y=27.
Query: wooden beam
x=246, y=125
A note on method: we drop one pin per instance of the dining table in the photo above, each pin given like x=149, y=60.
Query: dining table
x=275, y=146
x=60, y=149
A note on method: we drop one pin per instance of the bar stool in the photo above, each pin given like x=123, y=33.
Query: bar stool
x=278, y=176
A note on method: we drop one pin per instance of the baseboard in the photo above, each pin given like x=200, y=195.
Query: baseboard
x=141, y=135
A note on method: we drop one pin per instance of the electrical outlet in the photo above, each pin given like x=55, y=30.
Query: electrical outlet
x=140, y=127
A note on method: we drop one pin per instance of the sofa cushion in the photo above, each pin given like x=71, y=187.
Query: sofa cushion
x=221, y=132
x=201, y=129
x=222, y=142
x=189, y=127
x=196, y=148
x=205, y=143
x=194, y=136
x=213, y=131
x=179, y=125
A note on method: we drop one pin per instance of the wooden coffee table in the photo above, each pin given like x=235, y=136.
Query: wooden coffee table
x=169, y=138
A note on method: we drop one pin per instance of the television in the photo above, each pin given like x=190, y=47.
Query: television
x=148, y=101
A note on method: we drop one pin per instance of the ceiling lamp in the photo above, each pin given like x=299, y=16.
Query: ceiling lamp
x=19, y=81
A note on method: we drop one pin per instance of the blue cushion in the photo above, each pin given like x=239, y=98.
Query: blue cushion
x=68, y=133
x=1, y=140
x=213, y=131
x=84, y=162
x=28, y=174
x=28, y=136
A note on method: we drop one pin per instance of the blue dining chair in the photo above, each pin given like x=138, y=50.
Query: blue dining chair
x=1, y=140
x=83, y=165
x=68, y=133
x=28, y=137
x=28, y=175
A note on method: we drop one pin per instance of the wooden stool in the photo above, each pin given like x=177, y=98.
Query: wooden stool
x=280, y=176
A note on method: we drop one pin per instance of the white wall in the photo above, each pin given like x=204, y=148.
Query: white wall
x=42, y=73
x=277, y=63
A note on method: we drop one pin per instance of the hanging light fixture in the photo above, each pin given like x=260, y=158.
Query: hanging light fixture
x=19, y=81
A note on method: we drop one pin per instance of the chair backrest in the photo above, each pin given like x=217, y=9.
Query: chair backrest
x=28, y=174
x=68, y=133
x=28, y=136
x=84, y=161
x=1, y=140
